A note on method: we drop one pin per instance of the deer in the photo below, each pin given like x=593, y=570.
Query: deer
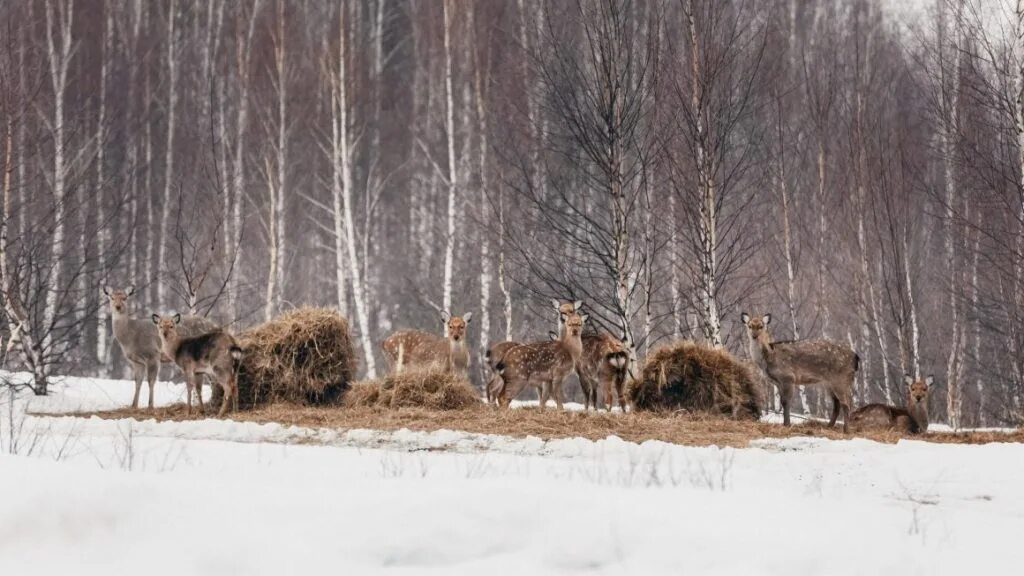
x=604, y=363
x=418, y=348
x=216, y=354
x=911, y=419
x=790, y=364
x=139, y=340
x=544, y=365
x=492, y=356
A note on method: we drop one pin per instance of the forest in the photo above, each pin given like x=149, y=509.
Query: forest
x=855, y=173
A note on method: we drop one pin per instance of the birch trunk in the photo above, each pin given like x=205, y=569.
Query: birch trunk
x=102, y=350
x=278, y=190
x=59, y=52
x=947, y=137
x=481, y=128
x=172, y=104
x=358, y=292
x=449, y=246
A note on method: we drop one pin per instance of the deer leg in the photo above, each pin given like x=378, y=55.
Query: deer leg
x=785, y=393
x=225, y=386
x=198, y=382
x=153, y=371
x=545, y=393
x=559, y=390
x=835, y=411
x=188, y=388
x=137, y=374
x=620, y=389
x=846, y=401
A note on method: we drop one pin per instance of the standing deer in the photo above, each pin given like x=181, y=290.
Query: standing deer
x=417, y=348
x=139, y=340
x=912, y=419
x=544, y=365
x=216, y=354
x=804, y=363
x=492, y=356
x=603, y=364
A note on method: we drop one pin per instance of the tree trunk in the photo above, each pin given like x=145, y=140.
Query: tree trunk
x=172, y=104
x=449, y=246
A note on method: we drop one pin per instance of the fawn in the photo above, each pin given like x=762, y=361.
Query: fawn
x=417, y=348
x=804, y=363
x=911, y=419
x=216, y=354
x=544, y=365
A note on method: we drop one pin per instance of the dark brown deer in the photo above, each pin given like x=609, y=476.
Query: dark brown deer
x=910, y=419
x=216, y=354
x=804, y=363
x=418, y=348
x=544, y=365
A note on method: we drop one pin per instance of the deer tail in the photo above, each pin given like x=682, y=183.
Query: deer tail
x=236, y=357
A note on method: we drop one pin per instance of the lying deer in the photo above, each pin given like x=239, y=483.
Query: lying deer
x=604, y=363
x=911, y=419
x=216, y=354
x=804, y=363
x=544, y=365
x=417, y=348
x=140, y=341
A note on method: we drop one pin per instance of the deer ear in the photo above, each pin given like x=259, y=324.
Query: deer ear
x=908, y=379
x=156, y=318
x=131, y=290
x=468, y=317
x=445, y=316
x=177, y=318
x=577, y=304
x=583, y=318
x=745, y=318
x=106, y=291
x=552, y=336
x=928, y=381
x=556, y=305
x=767, y=319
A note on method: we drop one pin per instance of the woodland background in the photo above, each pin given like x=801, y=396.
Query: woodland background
x=670, y=162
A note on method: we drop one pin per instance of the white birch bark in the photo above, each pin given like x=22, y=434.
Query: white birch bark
x=102, y=240
x=449, y=246
x=354, y=272
x=486, y=274
x=172, y=105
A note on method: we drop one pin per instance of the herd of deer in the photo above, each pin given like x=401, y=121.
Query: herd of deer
x=601, y=361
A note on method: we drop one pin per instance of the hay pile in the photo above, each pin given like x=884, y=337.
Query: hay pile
x=432, y=388
x=692, y=377
x=303, y=357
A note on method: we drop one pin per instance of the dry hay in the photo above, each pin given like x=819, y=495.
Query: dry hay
x=692, y=377
x=433, y=388
x=304, y=356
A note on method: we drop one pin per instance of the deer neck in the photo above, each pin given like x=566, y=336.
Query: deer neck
x=574, y=344
x=761, y=350
x=456, y=351
x=919, y=413
x=119, y=320
x=169, y=345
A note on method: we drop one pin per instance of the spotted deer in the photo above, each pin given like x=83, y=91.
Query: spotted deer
x=417, y=348
x=804, y=363
x=216, y=354
x=492, y=356
x=910, y=419
x=544, y=365
x=139, y=340
x=604, y=363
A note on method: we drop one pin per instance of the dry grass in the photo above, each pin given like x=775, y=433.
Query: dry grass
x=685, y=429
x=694, y=377
x=431, y=388
x=304, y=356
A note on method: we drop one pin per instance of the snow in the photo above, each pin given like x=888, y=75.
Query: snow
x=90, y=496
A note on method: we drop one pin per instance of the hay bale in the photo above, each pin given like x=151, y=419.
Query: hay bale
x=432, y=388
x=304, y=356
x=689, y=376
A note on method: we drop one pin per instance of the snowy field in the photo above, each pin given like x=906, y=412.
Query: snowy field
x=89, y=496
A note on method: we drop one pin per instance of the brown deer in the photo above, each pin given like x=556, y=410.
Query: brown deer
x=911, y=419
x=804, y=363
x=216, y=354
x=544, y=365
x=492, y=356
x=417, y=348
x=139, y=340
x=604, y=363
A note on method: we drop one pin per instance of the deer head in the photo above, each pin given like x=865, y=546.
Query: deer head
x=119, y=298
x=756, y=327
x=565, y=309
x=918, y=389
x=574, y=324
x=168, y=327
x=456, y=325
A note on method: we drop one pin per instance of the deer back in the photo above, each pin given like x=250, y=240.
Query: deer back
x=809, y=361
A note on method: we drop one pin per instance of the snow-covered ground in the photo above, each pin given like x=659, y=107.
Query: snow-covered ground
x=87, y=496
